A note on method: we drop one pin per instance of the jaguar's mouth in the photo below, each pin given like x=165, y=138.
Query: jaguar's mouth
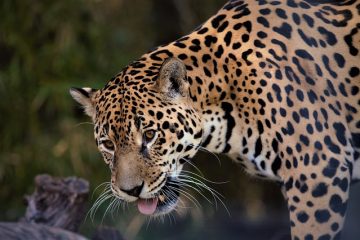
x=164, y=202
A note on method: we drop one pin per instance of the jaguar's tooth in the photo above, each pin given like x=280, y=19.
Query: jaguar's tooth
x=161, y=198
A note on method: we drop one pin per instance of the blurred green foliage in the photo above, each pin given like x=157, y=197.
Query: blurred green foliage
x=48, y=46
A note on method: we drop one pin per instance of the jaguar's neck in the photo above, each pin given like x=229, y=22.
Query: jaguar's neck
x=220, y=63
x=217, y=63
x=226, y=87
x=213, y=66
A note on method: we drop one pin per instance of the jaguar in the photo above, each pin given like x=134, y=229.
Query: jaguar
x=272, y=84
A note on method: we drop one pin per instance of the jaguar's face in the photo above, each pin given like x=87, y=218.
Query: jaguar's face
x=145, y=136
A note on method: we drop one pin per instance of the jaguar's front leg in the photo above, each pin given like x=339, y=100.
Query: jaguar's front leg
x=317, y=191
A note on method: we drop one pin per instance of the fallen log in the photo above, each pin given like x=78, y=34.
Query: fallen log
x=57, y=202
x=55, y=211
x=30, y=231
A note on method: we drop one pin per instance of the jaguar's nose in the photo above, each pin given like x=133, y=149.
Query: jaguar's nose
x=135, y=192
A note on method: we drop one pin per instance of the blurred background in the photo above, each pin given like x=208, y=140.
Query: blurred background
x=48, y=46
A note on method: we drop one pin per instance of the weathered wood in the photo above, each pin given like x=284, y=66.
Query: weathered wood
x=57, y=202
x=28, y=231
x=54, y=212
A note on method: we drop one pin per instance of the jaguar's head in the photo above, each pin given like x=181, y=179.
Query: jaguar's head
x=146, y=128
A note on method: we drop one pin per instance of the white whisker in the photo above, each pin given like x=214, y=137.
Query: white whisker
x=189, y=196
x=192, y=164
x=83, y=123
x=207, y=151
x=107, y=209
x=203, y=178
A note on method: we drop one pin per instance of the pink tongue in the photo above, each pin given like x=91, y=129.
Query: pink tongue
x=147, y=206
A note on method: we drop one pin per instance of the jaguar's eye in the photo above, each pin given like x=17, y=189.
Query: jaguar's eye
x=149, y=135
x=108, y=145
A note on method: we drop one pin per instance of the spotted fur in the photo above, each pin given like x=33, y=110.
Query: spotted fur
x=272, y=84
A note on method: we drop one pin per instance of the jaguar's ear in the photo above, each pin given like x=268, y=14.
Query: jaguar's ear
x=172, y=80
x=84, y=97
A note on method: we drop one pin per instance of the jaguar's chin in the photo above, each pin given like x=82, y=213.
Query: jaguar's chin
x=164, y=202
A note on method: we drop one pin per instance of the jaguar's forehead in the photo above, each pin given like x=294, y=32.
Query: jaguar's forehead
x=128, y=100
x=133, y=88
